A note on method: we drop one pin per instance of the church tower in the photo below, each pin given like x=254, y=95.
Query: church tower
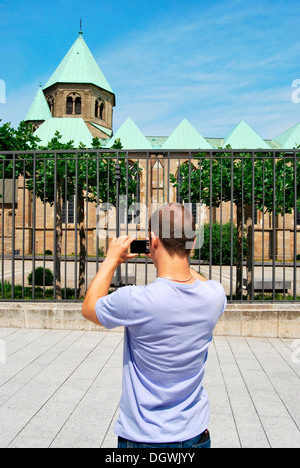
x=78, y=89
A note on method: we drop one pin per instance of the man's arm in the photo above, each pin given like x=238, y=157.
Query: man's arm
x=116, y=255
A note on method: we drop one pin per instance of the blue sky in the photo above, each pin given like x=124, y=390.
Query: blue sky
x=213, y=63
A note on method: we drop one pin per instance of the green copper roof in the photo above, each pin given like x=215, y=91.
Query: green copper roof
x=39, y=109
x=185, y=136
x=131, y=137
x=156, y=142
x=105, y=130
x=79, y=66
x=70, y=129
x=243, y=137
x=289, y=139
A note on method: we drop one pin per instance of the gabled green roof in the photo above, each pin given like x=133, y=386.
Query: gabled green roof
x=70, y=128
x=39, y=109
x=131, y=137
x=79, y=66
x=243, y=137
x=185, y=136
x=289, y=139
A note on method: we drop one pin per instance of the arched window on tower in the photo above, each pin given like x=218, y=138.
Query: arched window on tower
x=102, y=107
x=99, y=109
x=50, y=102
x=73, y=104
x=78, y=106
x=69, y=109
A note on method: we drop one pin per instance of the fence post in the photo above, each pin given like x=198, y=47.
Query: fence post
x=118, y=181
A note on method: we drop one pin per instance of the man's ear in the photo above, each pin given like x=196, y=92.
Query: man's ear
x=154, y=240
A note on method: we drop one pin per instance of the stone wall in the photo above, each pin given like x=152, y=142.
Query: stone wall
x=257, y=320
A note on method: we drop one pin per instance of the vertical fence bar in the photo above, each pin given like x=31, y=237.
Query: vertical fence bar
x=274, y=228
x=98, y=214
x=168, y=179
x=231, y=228
x=252, y=227
x=210, y=216
x=221, y=216
x=135, y=217
x=118, y=180
x=242, y=227
x=54, y=227
x=76, y=224
x=23, y=232
x=263, y=233
x=13, y=226
x=295, y=228
x=190, y=204
x=66, y=223
x=283, y=241
x=108, y=159
x=86, y=217
x=147, y=213
x=33, y=225
x=44, y=233
x=126, y=212
x=200, y=220
x=3, y=233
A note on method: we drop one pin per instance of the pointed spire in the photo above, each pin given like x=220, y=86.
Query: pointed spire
x=244, y=137
x=290, y=139
x=79, y=66
x=39, y=109
x=80, y=32
x=131, y=137
x=185, y=136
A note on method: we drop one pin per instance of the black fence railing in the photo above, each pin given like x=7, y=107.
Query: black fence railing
x=60, y=209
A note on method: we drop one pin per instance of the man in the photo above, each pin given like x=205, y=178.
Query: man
x=168, y=329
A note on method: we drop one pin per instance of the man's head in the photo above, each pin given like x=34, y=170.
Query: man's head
x=174, y=225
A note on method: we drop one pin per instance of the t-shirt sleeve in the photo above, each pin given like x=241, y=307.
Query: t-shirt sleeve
x=223, y=300
x=220, y=297
x=224, y=304
x=115, y=310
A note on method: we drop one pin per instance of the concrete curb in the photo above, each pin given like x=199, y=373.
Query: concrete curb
x=269, y=320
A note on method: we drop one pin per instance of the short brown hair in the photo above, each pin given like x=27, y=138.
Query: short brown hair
x=175, y=226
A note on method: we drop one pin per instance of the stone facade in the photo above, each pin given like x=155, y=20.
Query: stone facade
x=95, y=105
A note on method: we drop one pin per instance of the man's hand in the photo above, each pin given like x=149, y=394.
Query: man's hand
x=118, y=250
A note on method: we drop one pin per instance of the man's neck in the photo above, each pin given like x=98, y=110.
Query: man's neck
x=175, y=267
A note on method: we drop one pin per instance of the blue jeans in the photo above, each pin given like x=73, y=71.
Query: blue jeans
x=200, y=441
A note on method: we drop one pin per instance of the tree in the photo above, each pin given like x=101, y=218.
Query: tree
x=55, y=177
x=21, y=139
x=248, y=180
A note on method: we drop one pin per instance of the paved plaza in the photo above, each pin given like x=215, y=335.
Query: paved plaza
x=61, y=388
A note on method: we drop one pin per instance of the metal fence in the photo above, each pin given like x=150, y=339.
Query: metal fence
x=59, y=210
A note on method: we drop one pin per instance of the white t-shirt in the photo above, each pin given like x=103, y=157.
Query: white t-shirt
x=168, y=329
